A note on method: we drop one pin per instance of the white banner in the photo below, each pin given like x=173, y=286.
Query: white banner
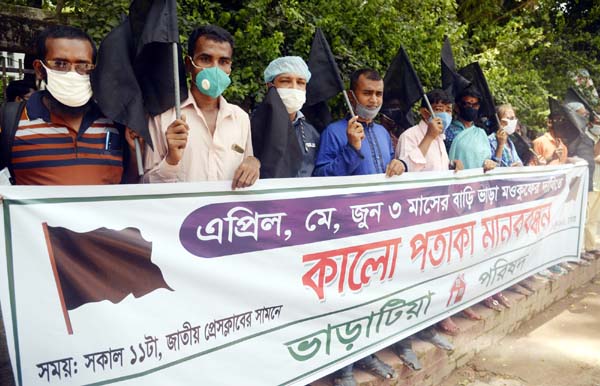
x=175, y=284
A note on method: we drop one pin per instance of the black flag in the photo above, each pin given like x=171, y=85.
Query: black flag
x=134, y=71
x=274, y=140
x=564, y=122
x=487, y=109
x=325, y=82
x=402, y=88
x=523, y=147
x=115, y=86
x=452, y=82
x=103, y=264
x=575, y=96
x=154, y=27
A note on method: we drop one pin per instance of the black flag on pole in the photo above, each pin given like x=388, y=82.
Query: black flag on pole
x=487, y=109
x=564, y=122
x=154, y=27
x=325, y=82
x=573, y=95
x=273, y=138
x=452, y=81
x=402, y=88
x=523, y=147
x=115, y=86
x=134, y=70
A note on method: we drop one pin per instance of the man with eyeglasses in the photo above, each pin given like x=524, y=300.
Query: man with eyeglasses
x=211, y=141
x=62, y=137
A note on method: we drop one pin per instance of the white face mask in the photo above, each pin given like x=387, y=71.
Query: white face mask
x=69, y=88
x=292, y=98
x=595, y=129
x=511, y=125
x=365, y=112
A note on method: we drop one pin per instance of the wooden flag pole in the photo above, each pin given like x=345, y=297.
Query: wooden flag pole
x=57, y=279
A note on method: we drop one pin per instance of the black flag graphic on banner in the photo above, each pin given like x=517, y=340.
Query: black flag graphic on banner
x=102, y=264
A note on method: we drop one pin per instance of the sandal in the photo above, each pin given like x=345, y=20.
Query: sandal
x=470, y=314
x=376, y=367
x=405, y=352
x=567, y=267
x=546, y=274
x=521, y=290
x=527, y=285
x=492, y=303
x=344, y=377
x=595, y=252
x=431, y=336
x=582, y=263
x=448, y=326
x=588, y=256
x=557, y=270
x=502, y=299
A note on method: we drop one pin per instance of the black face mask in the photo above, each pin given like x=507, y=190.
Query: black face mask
x=394, y=114
x=468, y=114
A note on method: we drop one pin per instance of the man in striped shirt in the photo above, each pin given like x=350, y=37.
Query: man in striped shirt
x=62, y=137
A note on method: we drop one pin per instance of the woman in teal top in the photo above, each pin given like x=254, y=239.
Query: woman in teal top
x=466, y=141
x=472, y=147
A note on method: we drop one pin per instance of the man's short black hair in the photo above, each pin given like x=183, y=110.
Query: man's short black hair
x=369, y=73
x=17, y=88
x=61, y=32
x=212, y=32
x=468, y=92
x=437, y=96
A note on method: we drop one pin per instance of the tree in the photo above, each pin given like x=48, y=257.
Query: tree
x=528, y=49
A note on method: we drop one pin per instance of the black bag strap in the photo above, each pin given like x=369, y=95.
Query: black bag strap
x=10, y=115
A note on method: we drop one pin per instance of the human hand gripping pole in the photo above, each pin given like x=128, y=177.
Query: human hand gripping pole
x=177, y=136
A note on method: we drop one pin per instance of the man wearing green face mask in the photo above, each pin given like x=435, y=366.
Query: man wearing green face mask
x=212, y=140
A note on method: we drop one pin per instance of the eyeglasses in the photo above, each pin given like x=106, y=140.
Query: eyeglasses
x=64, y=66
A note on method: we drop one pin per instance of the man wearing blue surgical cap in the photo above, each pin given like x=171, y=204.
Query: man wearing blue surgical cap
x=290, y=75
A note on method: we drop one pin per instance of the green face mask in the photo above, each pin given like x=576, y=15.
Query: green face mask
x=212, y=81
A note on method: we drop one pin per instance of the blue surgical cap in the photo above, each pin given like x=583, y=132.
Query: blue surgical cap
x=287, y=64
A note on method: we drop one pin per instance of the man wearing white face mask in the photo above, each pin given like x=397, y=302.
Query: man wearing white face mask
x=357, y=145
x=62, y=137
x=503, y=149
x=290, y=75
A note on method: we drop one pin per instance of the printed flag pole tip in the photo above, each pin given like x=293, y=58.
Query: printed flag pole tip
x=57, y=279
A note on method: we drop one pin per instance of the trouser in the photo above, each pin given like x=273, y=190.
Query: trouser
x=592, y=223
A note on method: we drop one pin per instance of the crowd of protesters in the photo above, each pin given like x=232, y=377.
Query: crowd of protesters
x=63, y=138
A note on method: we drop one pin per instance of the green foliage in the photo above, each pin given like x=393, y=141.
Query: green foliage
x=528, y=49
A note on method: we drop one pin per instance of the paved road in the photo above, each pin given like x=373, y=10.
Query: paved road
x=559, y=347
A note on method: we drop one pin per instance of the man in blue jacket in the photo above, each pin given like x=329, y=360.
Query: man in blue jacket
x=358, y=145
